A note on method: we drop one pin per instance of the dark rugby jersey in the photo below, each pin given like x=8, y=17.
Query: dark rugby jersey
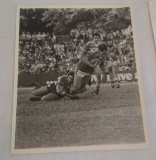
x=95, y=55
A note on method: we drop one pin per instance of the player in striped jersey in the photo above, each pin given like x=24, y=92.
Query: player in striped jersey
x=91, y=62
x=89, y=49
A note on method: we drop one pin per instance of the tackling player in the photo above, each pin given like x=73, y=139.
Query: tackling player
x=55, y=91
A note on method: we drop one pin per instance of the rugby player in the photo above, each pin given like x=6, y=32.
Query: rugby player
x=112, y=60
x=91, y=62
x=55, y=91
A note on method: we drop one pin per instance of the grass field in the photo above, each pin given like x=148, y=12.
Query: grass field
x=113, y=117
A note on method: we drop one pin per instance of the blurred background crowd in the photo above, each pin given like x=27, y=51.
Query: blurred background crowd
x=49, y=52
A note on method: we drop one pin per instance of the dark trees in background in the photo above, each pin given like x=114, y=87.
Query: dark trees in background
x=31, y=20
x=62, y=20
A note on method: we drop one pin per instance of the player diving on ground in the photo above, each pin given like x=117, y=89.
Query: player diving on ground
x=55, y=91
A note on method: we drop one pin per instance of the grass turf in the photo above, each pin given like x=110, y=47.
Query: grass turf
x=112, y=117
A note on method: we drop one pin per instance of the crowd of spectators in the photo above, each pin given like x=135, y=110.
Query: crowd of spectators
x=45, y=53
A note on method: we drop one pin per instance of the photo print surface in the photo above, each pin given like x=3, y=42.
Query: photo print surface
x=76, y=80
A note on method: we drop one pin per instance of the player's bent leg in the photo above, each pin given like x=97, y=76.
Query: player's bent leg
x=86, y=80
x=115, y=77
x=40, y=91
x=112, y=76
x=112, y=80
x=77, y=84
x=50, y=97
x=97, y=70
x=98, y=82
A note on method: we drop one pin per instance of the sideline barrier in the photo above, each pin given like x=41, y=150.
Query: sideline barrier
x=25, y=80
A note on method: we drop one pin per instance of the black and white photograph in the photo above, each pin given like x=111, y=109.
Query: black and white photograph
x=76, y=80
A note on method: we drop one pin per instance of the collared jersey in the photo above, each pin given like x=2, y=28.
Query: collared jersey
x=91, y=47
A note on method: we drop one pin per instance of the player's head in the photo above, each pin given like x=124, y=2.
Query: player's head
x=96, y=37
x=70, y=77
x=109, y=42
